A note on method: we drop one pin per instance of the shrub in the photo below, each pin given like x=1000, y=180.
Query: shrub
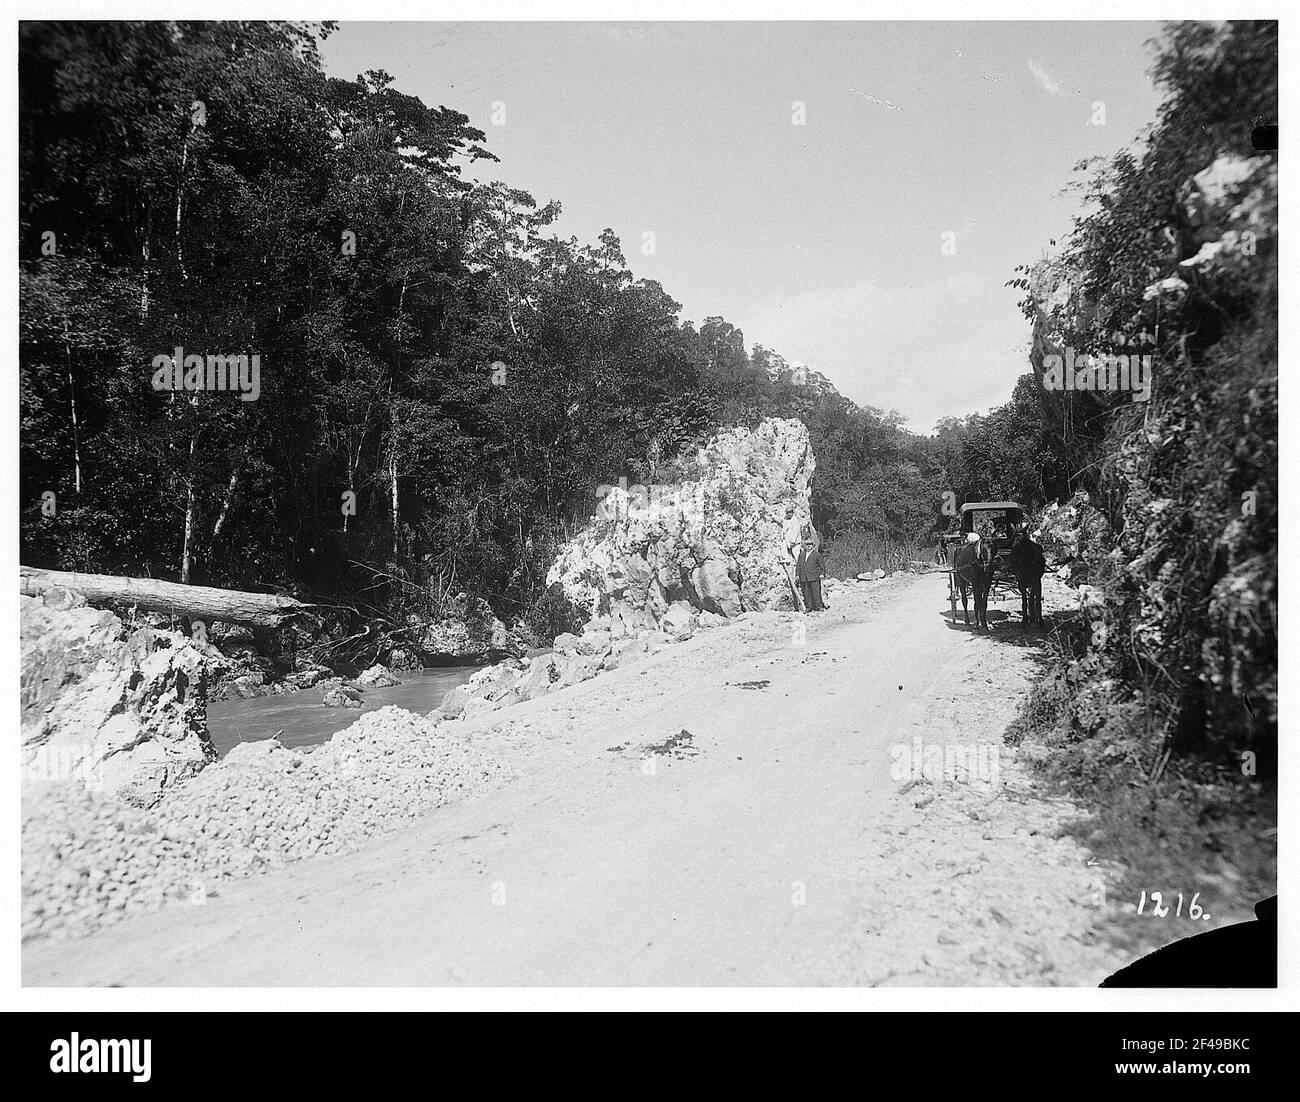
x=551, y=614
x=854, y=552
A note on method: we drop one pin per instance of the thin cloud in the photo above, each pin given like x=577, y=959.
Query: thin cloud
x=881, y=102
x=1045, y=79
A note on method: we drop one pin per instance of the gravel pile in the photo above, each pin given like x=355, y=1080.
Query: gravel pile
x=88, y=860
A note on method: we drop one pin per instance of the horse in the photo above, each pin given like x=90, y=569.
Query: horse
x=1028, y=565
x=972, y=569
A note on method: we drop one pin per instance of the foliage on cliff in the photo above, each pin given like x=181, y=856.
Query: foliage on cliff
x=1176, y=652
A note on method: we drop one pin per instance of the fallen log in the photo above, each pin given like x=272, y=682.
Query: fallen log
x=198, y=602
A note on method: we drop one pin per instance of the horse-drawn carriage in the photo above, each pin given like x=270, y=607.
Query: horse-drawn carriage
x=997, y=524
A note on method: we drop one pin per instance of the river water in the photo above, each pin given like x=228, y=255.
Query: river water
x=305, y=721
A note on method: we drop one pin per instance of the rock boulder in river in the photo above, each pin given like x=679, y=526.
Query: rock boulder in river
x=115, y=709
x=341, y=696
x=376, y=677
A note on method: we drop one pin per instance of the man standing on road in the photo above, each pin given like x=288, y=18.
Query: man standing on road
x=791, y=533
x=791, y=540
x=809, y=571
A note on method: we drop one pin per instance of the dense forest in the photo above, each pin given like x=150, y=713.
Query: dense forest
x=442, y=381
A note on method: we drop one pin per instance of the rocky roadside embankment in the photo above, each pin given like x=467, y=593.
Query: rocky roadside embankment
x=89, y=860
x=576, y=658
x=117, y=709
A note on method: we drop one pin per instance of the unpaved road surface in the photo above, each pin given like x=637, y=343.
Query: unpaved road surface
x=777, y=842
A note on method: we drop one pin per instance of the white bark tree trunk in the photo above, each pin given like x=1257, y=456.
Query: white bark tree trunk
x=72, y=400
x=180, y=199
x=392, y=470
x=226, y=503
x=189, y=514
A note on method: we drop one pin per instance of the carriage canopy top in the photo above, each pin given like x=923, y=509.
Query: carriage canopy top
x=998, y=513
x=989, y=506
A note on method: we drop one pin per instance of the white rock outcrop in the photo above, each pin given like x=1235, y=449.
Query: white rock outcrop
x=655, y=566
x=108, y=708
x=713, y=543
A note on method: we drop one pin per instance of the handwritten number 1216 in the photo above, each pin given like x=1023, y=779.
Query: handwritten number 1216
x=1160, y=909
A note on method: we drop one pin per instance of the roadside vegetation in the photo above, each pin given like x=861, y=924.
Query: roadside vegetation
x=1158, y=701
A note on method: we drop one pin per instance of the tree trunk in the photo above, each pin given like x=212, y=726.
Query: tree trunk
x=180, y=199
x=199, y=602
x=225, y=505
x=393, y=474
x=187, y=544
x=72, y=399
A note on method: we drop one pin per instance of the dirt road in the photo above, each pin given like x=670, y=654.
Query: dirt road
x=730, y=811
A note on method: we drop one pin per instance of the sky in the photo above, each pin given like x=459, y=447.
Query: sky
x=853, y=196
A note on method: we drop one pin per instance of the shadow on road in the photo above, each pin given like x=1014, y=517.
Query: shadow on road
x=1006, y=627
